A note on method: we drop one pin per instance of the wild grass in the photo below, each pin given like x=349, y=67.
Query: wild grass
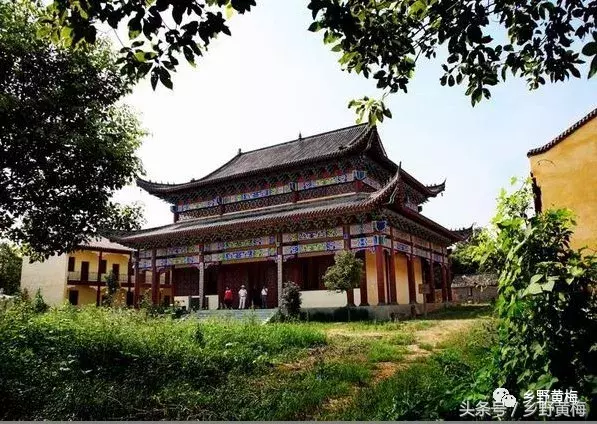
x=429, y=389
x=96, y=363
x=384, y=352
x=426, y=346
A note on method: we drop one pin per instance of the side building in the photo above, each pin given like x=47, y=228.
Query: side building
x=564, y=176
x=280, y=213
x=79, y=277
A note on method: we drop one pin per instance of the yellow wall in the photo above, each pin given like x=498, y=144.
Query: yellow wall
x=567, y=176
x=371, y=271
x=401, y=267
x=93, y=258
x=87, y=295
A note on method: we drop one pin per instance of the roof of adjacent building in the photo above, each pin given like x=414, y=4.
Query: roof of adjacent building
x=303, y=150
x=475, y=280
x=589, y=116
x=302, y=210
x=103, y=243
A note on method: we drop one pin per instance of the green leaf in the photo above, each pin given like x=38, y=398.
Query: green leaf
x=548, y=286
x=590, y=49
x=140, y=56
x=532, y=289
x=229, y=11
x=165, y=78
x=535, y=278
x=593, y=69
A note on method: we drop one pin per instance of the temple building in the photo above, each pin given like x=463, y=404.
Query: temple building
x=563, y=172
x=280, y=213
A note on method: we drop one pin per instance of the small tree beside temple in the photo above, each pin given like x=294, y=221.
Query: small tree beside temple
x=112, y=286
x=291, y=300
x=345, y=274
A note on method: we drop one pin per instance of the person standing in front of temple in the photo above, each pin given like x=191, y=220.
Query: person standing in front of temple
x=242, y=297
x=228, y=298
x=264, y=297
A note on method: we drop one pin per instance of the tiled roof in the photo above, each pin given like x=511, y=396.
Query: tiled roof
x=592, y=114
x=435, y=189
x=104, y=243
x=295, y=152
x=464, y=233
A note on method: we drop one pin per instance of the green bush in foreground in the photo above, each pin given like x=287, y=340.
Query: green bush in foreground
x=97, y=363
x=547, y=303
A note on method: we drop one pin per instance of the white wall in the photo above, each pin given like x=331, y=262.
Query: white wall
x=326, y=298
x=49, y=276
x=184, y=301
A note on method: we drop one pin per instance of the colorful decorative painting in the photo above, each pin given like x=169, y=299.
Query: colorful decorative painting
x=328, y=246
x=235, y=244
x=402, y=247
x=420, y=252
x=240, y=254
x=312, y=235
x=281, y=189
x=363, y=242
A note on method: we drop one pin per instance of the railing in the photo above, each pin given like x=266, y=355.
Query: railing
x=92, y=277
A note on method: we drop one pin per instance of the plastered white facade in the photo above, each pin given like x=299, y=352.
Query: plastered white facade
x=49, y=276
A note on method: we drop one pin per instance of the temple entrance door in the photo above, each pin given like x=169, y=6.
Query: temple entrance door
x=257, y=278
x=211, y=280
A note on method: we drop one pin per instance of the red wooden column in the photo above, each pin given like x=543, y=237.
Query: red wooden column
x=444, y=284
x=172, y=285
x=346, y=235
x=412, y=288
x=201, y=277
x=221, y=288
x=280, y=270
x=379, y=267
x=128, y=272
x=392, y=272
x=431, y=281
x=155, y=280
x=137, y=292
x=449, y=272
x=99, y=280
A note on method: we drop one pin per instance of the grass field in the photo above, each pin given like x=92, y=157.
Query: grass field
x=102, y=364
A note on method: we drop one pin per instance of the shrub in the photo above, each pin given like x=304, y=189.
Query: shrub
x=291, y=300
x=546, y=304
x=112, y=286
x=38, y=304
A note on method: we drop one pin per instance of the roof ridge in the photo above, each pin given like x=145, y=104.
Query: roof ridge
x=305, y=138
x=241, y=153
x=564, y=134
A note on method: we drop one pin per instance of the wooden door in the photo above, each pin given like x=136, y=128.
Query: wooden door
x=84, y=271
x=116, y=271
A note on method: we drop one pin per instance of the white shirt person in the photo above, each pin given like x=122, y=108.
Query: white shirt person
x=242, y=297
x=264, y=297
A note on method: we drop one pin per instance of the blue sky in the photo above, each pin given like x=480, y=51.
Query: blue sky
x=273, y=78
